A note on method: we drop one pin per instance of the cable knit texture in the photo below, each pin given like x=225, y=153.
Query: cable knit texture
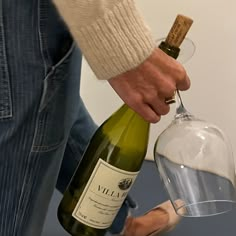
x=111, y=34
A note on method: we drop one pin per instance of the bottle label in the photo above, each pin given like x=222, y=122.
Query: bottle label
x=103, y=195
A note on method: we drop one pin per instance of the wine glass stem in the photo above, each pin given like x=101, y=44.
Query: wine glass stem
x=179, y=104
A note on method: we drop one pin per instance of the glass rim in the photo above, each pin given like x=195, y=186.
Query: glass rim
x=179, y=209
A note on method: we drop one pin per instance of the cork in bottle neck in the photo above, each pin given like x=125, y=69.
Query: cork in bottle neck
x=178, y=31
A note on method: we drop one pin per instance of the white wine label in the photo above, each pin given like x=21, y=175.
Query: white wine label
x=103, y=195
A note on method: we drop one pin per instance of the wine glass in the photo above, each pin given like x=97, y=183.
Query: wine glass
x=195, y=162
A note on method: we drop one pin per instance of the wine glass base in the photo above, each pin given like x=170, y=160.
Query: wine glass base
x=187, y=49
x=206, y=208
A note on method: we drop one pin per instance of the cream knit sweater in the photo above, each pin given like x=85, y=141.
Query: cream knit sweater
x=111, y=34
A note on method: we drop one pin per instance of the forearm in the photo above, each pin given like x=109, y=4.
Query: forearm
x=111, y=34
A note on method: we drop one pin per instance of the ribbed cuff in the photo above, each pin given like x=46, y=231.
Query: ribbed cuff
x=117, y=42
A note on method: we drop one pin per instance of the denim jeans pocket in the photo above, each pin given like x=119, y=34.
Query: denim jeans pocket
x=53, y=119
x=5, y=89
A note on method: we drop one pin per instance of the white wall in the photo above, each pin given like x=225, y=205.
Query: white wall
x=212, y=69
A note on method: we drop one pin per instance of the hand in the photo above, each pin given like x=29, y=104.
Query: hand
x=146, y=87
x=162, y=218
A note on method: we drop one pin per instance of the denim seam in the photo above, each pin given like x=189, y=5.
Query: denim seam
x=41, y=39
x=21, y=198
x=40, y=148
x=65, y=56
x=47, y=148
x=29, y=191
x=25, y=192
x=19, y=216
x=53, y=69
x=6, y=113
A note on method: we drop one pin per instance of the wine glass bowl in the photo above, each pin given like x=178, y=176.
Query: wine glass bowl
x=196, y=164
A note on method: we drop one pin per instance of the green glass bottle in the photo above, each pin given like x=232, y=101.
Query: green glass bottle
x=105, y=174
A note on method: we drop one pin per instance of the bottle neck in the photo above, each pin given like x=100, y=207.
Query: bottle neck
x=169, y=50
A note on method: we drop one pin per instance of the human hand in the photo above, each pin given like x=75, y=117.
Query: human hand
x=160, y=219
x=145, y=88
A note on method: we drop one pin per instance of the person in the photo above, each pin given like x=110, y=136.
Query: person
x=44, y=123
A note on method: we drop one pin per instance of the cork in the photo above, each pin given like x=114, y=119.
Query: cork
x=178, y=31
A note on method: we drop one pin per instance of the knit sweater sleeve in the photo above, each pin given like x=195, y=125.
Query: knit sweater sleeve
x=111, y=34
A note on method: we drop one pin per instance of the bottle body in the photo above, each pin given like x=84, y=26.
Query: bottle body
x=105, y=174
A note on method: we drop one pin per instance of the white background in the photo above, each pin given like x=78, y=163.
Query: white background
x=212, y=69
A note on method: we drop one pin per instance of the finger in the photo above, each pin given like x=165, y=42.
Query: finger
x=154, y=221
x=136, y=101
x=183, y=84
x=158, y=105
x=169, y=209
x=161, y=82
x=146, y=111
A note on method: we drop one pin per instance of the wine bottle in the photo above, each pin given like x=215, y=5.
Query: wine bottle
x=105, y=174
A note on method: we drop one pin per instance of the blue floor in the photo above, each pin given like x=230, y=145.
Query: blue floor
x=148, y=191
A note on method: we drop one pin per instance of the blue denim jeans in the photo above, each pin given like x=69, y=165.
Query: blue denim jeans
x=44, y=125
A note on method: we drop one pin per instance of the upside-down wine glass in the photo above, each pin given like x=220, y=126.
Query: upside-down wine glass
x=195, y=161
